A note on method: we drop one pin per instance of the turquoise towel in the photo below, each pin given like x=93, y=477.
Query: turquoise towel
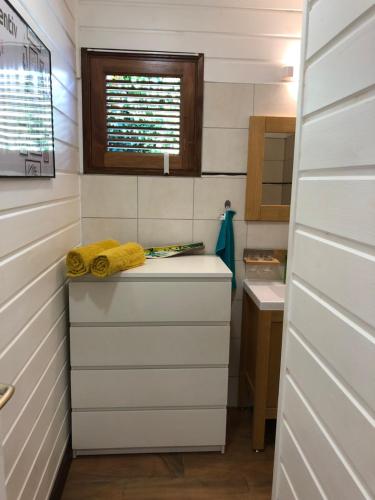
x=225, y=243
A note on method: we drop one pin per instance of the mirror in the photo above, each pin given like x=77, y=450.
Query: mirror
x=277, y=168
x=270, y=168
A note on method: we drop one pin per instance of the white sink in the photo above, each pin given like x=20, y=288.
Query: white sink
x=268, y=296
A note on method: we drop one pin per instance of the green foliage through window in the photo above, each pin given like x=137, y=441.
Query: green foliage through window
x=143, y=114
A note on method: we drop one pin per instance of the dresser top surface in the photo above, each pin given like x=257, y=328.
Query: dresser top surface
x=186, y=266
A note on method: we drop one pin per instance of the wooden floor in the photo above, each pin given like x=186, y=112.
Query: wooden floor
x=239, y=474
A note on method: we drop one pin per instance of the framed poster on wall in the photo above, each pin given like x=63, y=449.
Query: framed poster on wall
x=26, y=116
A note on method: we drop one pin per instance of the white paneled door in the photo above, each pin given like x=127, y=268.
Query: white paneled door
x=3, y=493
x=326, y=422
x=2, y=479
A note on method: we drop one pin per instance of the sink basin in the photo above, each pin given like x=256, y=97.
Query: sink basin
x=268, y=296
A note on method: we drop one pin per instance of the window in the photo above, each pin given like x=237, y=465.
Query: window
x=142, y=112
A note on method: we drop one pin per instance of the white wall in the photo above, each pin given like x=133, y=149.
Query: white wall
x=243, y=40
x=326, y=425
x=39, y=222
x=245, y=43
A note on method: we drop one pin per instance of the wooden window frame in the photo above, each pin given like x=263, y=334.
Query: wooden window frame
x=95, y=65
x=258, y=127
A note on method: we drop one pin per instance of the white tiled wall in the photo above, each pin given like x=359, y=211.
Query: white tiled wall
x=165, y=198
x=160, y=210
x=222, y=111
x=275, y=100
x=106, y=228
x=224, y=150
x=184, y=210
x=161, y=231
x=110, y=197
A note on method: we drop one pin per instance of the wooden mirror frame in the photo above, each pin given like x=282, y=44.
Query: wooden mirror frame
x=258, y=127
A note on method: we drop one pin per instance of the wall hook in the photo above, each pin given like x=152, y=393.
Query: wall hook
x=227, y=206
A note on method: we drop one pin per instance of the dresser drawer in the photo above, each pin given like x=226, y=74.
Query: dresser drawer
x=150, y=301
x=149, y=345
x=95, y=430
x=152, y=387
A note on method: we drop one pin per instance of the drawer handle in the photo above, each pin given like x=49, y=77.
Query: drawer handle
x=6, y=392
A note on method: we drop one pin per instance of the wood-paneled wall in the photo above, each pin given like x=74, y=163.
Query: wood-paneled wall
x=326, y=426
x=243, y=40
x=39, y=222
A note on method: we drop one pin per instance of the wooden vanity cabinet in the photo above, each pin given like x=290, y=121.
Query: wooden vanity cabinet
x=260, y=365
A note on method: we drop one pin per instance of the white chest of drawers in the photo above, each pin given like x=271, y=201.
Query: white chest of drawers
x=149, y=357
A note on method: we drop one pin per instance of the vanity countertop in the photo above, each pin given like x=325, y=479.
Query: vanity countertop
x=268, y=296
x=184, y=266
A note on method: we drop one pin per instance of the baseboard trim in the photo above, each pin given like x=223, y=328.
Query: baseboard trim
x=62, y=473
x=160, y=449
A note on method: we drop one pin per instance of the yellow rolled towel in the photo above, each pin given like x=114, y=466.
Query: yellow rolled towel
x=118, y=259
x=79, y=260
